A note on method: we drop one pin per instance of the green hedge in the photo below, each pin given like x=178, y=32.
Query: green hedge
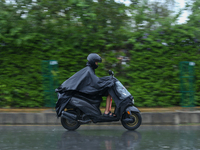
x=69, y=31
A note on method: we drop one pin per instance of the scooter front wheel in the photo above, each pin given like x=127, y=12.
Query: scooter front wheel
x=70, y=125
x=137, y=120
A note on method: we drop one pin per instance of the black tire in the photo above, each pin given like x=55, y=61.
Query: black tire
x=135, y=124
x=70, y=125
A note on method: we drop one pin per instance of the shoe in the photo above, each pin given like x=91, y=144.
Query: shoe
x=109, y=114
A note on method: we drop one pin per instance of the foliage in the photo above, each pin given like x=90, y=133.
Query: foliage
x=67, y=31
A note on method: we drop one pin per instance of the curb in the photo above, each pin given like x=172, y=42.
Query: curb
x=148, y=118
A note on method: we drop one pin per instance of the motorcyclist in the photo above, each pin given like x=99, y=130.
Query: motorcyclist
x=94, y=59
x=87, y=83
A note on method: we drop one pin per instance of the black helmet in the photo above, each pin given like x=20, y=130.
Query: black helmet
x=92, y=58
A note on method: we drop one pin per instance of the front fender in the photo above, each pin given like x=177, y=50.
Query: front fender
x=132, y=109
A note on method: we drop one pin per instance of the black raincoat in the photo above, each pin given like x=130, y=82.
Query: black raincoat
x=85, y=82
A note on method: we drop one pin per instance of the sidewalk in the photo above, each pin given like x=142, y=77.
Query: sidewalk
x=150, y=116
x=142, y=109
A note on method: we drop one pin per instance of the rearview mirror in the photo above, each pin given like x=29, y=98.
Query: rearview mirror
x=111, y=72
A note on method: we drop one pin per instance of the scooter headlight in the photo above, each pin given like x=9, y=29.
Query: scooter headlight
x=133, y=101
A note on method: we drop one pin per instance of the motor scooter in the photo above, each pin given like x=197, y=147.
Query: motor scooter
x=82, y=110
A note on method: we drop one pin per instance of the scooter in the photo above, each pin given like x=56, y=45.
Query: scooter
x=82, y=110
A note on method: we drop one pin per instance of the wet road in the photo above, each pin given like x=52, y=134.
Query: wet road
x=99, y=138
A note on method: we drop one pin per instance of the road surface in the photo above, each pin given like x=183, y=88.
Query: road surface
x=95, y=137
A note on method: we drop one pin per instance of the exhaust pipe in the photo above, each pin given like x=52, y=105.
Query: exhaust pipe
x=69, y=116
x=84, y=121
x=129, y=120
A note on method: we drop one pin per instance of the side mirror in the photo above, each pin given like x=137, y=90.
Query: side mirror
x=111, y=72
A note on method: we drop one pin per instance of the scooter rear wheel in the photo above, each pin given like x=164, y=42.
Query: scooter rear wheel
x=137, y=120
x=70, y=124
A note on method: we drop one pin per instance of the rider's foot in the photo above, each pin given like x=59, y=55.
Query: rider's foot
x=109, y=114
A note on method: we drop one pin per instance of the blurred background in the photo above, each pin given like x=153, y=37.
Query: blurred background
x=153, y=46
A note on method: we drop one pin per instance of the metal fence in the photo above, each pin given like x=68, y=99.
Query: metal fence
x=50, y=81
x=187, y=74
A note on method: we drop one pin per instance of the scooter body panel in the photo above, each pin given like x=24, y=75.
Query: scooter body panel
x=132, y=109
x=84, y=106
x=91, y=110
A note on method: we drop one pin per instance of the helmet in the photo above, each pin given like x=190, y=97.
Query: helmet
x=92, y=58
